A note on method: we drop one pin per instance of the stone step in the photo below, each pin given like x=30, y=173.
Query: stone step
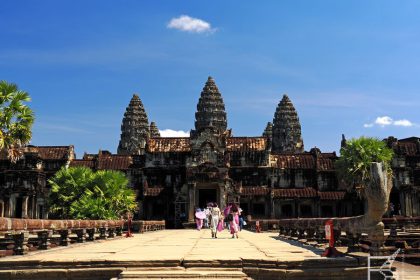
x=182, y=273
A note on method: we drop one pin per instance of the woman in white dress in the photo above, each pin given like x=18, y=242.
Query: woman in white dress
x=215, y=214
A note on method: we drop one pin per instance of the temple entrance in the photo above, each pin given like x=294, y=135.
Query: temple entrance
x=205, y=196
x=18, y=207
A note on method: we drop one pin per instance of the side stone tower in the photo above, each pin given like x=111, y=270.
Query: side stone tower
x=268, y=131
x=154, y=131
x=210, y=109
x=134, y=129
x=286, y=128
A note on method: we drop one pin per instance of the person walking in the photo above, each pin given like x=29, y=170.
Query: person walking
x=233, y=218
x=215, y=215
x=199, y=217
x=226, y=212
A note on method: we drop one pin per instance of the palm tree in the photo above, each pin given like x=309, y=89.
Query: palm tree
x=80, y=193
x=354, y=164
x=16, y=120
x=67, y=186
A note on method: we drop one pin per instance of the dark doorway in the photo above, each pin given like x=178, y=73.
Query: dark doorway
x=286, y=210
x=305, y=211
x=326, y=211
x=18, y=208
x=258, y=209
x=205, y=196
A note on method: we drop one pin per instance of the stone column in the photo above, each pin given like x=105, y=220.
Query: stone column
x=2, y=205
x=91, y=234
x=43, y=239
x=64, y=237
x=273, y=214
x=11, y=207
x=191, y=194
x=102, y=233
x=25, y=207
x=21, y=243
x=81, y=235
x=222, y=196
x=111, y=232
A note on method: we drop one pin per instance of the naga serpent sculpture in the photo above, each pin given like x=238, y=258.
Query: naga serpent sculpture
x=376, y=192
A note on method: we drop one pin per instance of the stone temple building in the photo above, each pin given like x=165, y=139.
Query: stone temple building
x=270, y=175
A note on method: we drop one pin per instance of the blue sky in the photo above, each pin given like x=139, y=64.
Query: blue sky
x=349, y=67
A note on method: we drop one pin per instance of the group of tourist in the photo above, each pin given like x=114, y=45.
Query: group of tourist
x=217, y=220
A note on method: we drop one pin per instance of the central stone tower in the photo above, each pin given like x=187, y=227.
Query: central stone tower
x=210, y=109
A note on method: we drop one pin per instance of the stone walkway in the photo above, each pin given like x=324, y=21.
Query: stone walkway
x=187, y=245
x=257, y=255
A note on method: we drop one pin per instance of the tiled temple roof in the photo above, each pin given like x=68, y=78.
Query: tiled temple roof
x=251, y=191
x=167, y=145
x=245, y=144
x=104, y=160
x=292, y=193
x=82, y=162
x=406, y=148
x=325, y=164
x=114, y=162
x=297, y=161
x=322, y=162
x=336, y=195
x=47, y=152
x=308, y=193
x=55, y=152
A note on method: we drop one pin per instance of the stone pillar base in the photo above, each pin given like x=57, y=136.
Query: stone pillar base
x=21, y=243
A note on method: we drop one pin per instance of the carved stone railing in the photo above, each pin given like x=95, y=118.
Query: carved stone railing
x=145, y=226
x=376, y=192
x=18, y=231
x=313, y=230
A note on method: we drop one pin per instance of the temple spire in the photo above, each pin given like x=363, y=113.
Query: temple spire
x=134, y=128
x=210, y=109
x=154, y=131
x=286, y=128
x=268, y=131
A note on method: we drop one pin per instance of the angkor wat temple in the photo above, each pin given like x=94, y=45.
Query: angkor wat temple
x=270, y=175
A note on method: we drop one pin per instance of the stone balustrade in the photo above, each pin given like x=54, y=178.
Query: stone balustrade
x=144, y=226
x=20, y=234
x=11, y=225
x=313, y=230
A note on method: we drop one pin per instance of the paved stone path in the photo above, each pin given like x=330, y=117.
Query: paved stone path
x=259, y=255
x=177, y=245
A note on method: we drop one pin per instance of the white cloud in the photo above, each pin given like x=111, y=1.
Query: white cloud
x=190, y=24
x=403, y=123
x=174, y=133
x=383, y=121
x=386, y=121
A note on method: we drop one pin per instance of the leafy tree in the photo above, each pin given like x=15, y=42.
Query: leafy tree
x=80, y=193
x=67, y=186
x=109, y=198
x=16, y=119
x=353, y=166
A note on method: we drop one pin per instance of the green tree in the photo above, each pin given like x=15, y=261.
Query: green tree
x=80, y=193
x=16, y=119
x=353, y=166
x=67, y=186
x=109, y=198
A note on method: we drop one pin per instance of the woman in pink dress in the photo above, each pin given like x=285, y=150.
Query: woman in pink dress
x=199, y=217
x=234, y=223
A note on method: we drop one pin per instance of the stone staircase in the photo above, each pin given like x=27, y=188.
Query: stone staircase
x=182, y=273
